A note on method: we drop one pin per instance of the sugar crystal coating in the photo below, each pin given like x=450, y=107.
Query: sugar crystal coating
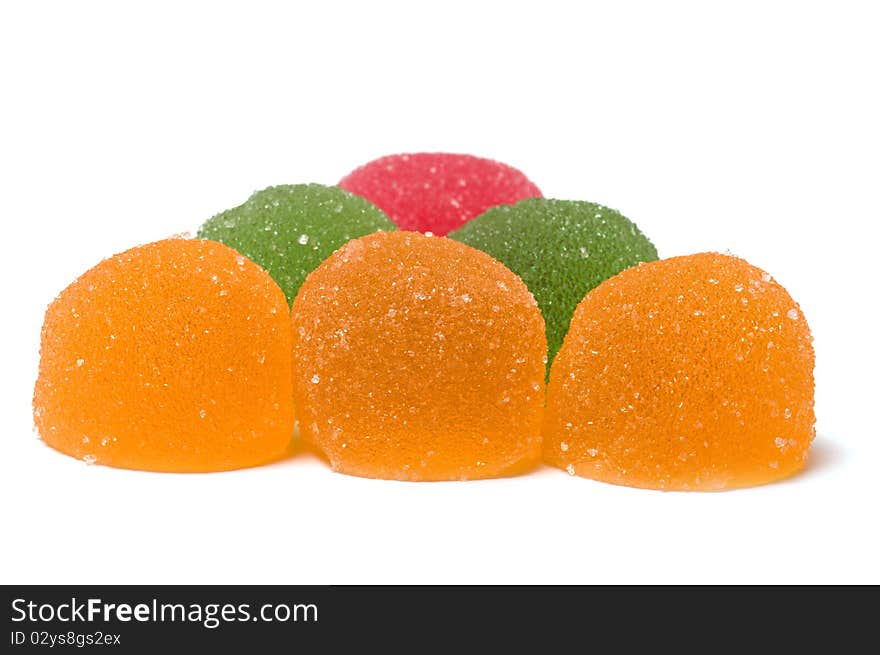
x=172, y=356
x=419, y=358
x=437, y=192
x=694, y=372
x=561, y=249
x=290, y=229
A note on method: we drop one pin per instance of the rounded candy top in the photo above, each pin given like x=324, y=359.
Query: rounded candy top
x=289, y=230
x=437, y=192
x=561, y=249
x=694, y=372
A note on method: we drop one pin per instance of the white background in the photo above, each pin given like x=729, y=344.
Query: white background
x=752, y=128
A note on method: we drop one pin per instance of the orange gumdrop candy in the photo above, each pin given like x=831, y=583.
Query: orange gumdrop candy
x=688, y=373
x=419, y=358
x=173, y=356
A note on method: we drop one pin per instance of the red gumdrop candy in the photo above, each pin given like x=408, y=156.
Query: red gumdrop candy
x=437, y=192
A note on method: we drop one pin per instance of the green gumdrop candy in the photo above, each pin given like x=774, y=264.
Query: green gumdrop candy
x=290, y=229
x=561, y=249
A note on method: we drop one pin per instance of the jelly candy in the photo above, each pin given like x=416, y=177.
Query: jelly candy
x=419, y=358
x=172, y=356
x=693, y=372
x=437, y=192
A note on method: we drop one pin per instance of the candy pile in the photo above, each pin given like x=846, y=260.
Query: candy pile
x=414, y=356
